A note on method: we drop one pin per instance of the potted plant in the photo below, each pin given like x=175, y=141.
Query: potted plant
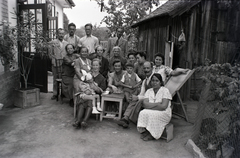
x=25, y=31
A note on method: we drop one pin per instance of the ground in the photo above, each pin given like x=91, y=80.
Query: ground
x=46, y=131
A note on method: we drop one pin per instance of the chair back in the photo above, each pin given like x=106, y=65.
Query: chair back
x=59, y=68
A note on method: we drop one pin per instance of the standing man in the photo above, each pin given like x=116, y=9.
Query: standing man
x=71, y=38
x=135, y=105
x=117, y=41
x=89, y=41
x=138, y=66
x=57, y=51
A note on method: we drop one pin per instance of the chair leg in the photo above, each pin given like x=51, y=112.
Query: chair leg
x=57, y=91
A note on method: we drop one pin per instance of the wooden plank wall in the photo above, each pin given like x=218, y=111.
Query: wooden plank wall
x=211, y=30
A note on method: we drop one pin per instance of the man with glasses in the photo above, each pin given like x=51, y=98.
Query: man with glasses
x=71, y=38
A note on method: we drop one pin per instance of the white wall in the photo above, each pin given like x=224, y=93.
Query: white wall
x=58, y=12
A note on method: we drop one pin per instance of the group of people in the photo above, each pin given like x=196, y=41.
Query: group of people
x=89, y=71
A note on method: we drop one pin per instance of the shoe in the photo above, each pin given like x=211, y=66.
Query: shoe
x=95, y=111
x=53, y=97
x=84, y=124
x=98, y=107
x=123, y=122
x=76, y=124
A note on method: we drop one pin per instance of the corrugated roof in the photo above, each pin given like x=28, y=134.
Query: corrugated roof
x=170, y=8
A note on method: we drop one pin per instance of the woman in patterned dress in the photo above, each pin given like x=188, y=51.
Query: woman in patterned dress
x=157, y=111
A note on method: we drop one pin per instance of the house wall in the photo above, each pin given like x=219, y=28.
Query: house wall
x=58, y=12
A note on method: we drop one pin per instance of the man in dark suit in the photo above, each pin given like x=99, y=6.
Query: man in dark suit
x=117, y=41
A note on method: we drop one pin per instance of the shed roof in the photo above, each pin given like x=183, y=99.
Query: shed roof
x=170, y=8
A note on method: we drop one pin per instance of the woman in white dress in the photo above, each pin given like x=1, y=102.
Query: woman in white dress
x=157, y=111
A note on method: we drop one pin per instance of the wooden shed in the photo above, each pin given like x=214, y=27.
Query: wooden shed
x=211, y=30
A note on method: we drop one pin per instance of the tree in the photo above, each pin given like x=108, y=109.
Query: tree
x=124, y=13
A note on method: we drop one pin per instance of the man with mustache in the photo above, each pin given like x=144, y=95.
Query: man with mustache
x=57, y=51
x=135, y=105
x=71, y=38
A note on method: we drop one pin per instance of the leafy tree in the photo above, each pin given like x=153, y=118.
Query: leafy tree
x=124, y=13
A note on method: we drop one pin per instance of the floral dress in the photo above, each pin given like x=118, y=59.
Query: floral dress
x=154, y=120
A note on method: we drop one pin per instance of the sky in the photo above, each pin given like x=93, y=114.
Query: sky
x=87, y=11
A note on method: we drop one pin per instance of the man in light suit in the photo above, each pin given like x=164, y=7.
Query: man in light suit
x=117, y=41
x=57, y=51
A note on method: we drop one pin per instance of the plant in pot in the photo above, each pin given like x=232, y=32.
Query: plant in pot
x=28, y=31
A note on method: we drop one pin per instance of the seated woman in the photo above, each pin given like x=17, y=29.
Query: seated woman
x=103, y=61
x=114, y=79
x=82, y=63
x=157, y=112
x=68, y=72
x=163, y=70
x=116, y=56
x=87, y=99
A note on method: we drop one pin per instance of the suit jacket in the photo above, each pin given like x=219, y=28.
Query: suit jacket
x=57, y=51
x=122, y=43
x=104, y=67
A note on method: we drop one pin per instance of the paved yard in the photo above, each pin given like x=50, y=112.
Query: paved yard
x=46, y=131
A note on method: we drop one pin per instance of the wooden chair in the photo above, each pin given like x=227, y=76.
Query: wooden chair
x=93, y=98
x=59, y=78
x=174, y=84
x=114, y=98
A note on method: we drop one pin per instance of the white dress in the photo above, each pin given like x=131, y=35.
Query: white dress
x=154, y=120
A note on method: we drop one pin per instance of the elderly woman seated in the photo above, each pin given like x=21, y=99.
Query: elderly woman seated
x=157, y=111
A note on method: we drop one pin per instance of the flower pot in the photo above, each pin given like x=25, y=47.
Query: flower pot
x=27, y=97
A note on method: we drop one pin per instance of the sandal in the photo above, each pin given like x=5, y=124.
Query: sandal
x=84, y=124
x=148, y=137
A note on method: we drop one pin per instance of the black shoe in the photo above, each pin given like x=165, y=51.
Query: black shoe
x=71, y=103
x=123, y=122
x=76, y=125
x=54, y=97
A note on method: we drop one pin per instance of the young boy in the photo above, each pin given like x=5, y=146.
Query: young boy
x=131, y=82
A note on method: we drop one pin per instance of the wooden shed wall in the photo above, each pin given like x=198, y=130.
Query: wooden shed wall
x=211, y=29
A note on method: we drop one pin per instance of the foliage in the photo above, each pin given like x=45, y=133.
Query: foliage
x=20, y=36
x=7, y=43
x=225, y=79
x=124, y=13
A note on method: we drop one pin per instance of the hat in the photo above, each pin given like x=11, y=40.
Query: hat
x=129, y=64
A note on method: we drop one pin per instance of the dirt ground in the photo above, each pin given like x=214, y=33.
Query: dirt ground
x=46, y=131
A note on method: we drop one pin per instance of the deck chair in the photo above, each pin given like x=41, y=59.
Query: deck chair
x=175, y=83
x=59, y=79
